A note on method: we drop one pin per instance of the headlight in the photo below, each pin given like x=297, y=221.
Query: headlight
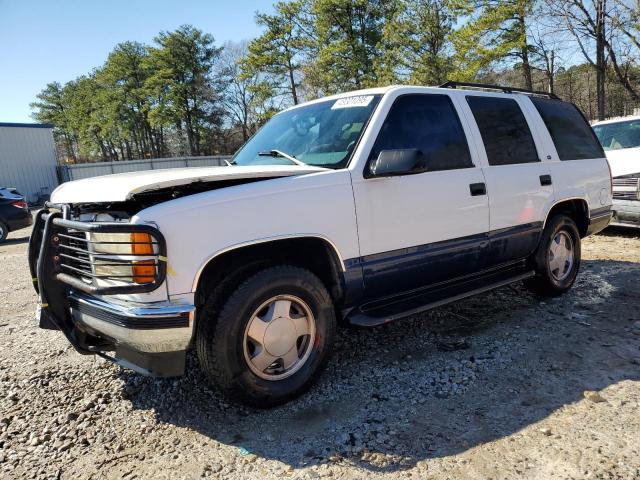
x=124, y=256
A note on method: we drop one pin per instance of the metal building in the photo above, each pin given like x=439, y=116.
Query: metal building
x=28, y=159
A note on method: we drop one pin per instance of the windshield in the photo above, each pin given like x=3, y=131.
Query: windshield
x=323, y=134
x=619, y=135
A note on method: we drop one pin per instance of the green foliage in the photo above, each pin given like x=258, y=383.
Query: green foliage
x=493, y=31
x=181, y=67
x=143, y=102
x=348, y=38
x=277, y=54
x=184, y=95
x=415, y=44
x=52, y=106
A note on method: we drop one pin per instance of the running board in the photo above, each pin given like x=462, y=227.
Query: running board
x=373, y=317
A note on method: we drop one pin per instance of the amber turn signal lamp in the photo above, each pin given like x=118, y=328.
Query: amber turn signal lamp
x=144, y=271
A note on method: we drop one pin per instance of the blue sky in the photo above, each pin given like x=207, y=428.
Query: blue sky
x=58, y=40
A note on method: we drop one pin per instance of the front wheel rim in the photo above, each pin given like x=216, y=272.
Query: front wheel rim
x=560, y=257
x=279, y=337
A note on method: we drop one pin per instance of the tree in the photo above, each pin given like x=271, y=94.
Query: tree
x=246, y=98
x=181, y=80
x=586, y=21
x=348, y=39
x=280, y=50
x=415, y=43
x=123, y=79
x=495, y=30
x=547, y=47
x=52, y=106
x=624, y=45
x=87, y=120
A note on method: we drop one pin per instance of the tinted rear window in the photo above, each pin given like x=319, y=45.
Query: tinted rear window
x=571, y=134
x=504, y=130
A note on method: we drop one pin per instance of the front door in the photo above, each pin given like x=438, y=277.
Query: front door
x=417, y=230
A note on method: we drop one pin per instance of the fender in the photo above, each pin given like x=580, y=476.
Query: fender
x=562, y=200
x=265, y=240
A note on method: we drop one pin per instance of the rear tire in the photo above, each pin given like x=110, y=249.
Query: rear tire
x=270, y=338
x=4, y=231
x=557, y=259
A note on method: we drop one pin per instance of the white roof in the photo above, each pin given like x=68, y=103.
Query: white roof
x=401, y=89
x=617, y=120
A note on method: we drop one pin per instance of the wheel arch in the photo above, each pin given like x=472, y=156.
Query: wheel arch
x=577, y=208
x=313, y=252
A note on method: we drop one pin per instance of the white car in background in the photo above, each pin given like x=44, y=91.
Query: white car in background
x=620, y=138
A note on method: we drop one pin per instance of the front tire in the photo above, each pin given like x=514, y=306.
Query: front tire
x=557, y=259
x=4, y=231
x=270, y=338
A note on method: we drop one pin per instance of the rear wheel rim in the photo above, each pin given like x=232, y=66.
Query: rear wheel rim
x=279, y=337
x=2, y=232
x=560, y=256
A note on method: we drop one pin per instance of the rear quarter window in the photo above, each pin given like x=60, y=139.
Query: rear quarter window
x=571, y=134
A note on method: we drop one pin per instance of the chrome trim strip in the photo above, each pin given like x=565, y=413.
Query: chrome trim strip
x=265, y=240
x=598, y=216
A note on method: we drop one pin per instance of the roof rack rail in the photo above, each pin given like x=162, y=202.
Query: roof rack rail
x=486, y=86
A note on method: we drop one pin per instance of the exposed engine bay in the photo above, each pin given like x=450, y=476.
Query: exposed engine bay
x=123, y=211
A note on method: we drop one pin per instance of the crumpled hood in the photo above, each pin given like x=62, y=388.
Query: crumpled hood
x=624, y=161
x=123, y=186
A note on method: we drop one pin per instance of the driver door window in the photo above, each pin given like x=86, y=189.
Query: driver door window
x=430, y=124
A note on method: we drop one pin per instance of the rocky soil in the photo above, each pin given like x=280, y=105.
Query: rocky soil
x=500, y=386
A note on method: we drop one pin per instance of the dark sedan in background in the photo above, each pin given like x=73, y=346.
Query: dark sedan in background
x=14, y=212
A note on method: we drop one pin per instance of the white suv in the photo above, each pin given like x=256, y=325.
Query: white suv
x=356, y=209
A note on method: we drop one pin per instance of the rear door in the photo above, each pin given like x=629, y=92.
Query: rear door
x=416, y=230
x=577, y=162
x=519, y=184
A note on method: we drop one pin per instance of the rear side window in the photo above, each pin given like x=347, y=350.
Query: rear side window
x=504, y=130
x=430, y=124
x=571, y=134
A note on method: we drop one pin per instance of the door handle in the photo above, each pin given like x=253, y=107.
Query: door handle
x=545, y=180
x=478, y=189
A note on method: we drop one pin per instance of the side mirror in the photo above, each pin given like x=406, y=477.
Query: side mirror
x=392, y=163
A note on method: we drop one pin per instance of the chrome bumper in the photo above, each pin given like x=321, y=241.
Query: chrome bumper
x=626, y=213
x=154, y=328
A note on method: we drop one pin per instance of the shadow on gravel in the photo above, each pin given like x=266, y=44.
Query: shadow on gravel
x=629, y=232
x=391, y=397
x=15, y=241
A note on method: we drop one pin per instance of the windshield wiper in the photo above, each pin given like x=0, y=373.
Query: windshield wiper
x=278, y=153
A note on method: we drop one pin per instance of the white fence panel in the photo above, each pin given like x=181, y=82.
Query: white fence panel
x=87, y=170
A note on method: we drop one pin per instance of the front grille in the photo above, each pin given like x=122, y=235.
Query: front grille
x=626, y=188
x=74, y=256
x=108, y=257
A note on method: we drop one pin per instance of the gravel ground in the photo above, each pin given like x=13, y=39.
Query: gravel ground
x=500, y=386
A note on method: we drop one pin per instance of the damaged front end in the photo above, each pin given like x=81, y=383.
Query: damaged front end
x=83, y=269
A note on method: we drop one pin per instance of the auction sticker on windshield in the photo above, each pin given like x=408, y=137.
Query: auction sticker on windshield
x=349, y=102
